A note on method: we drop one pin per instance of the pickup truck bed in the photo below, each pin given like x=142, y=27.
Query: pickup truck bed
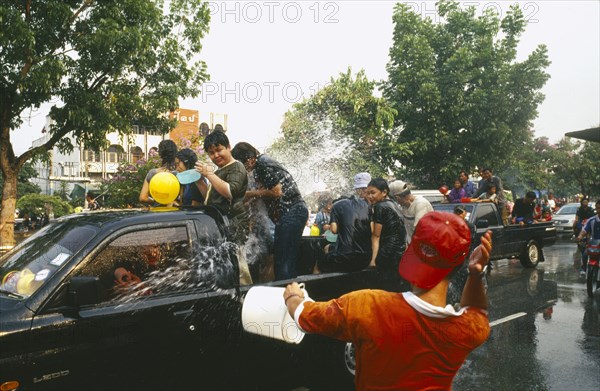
x=523, y=241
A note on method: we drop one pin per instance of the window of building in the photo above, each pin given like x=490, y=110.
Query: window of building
x=116, y=153
x=92, y=156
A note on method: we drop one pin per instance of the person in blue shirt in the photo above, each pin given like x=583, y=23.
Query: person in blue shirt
x=591, y=229
x=469, y=186
x=190, y=194
x=322, y=220
x=350, y=222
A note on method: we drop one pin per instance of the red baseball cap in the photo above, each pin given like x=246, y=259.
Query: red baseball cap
x=440, y=243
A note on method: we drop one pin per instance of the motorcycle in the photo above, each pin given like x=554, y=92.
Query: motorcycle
x=592, y=273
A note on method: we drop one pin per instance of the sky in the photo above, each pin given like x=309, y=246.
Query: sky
x=263, y=56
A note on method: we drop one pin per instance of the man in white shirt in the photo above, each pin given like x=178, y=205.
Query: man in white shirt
x=412, y=207
x=551, y=202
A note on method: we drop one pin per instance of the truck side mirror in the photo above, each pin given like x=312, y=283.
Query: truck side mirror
x=83, y=290
x=483, y=223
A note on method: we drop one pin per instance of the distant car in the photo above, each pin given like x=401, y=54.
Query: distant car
x=565, y=217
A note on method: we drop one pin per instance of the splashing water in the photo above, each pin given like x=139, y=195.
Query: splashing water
x=319, y=166
x=212, y=269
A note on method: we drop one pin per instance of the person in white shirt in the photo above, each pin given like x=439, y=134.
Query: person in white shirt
x=551, y=202
x=412, y=207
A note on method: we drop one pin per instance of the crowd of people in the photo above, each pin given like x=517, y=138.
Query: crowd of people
x=371, y=227
x=379, y=225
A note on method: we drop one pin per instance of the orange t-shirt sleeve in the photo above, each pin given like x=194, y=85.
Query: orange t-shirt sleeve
x=476, y=321
x=345, y=318
x=331, y=318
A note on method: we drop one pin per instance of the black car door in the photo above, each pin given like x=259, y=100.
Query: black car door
x=486, y=211
x=137, y=336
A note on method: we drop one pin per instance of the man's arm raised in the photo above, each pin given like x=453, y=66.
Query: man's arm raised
x=474, y=294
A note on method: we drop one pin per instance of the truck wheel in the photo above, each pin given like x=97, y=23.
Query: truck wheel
x=350, y=358
x=592, y=280
x=531, y=255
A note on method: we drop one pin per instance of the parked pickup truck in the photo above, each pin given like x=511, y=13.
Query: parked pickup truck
x=523, y=241
x=65, y=322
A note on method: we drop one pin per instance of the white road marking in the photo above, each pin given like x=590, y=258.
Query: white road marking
x=507, y=318
x=574, y=285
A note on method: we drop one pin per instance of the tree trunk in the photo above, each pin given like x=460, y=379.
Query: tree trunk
x=7, y=214
x=10, y=168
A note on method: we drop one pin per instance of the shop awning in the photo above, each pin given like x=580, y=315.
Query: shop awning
x=77, y=192
x=591, y=134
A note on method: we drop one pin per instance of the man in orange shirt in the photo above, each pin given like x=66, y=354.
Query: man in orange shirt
x=410, y=340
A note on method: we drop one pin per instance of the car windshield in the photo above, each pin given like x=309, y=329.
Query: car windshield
x=568, y=210
x=24, y=269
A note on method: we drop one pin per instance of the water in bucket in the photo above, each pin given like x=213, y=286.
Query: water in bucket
x=264, y=313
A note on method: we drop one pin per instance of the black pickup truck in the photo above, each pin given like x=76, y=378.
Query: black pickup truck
x=66, y=324
x=523, y=241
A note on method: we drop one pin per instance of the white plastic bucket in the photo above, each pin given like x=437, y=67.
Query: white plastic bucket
x=264, y=313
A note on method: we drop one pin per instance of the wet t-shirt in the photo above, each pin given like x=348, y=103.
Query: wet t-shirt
x=402, y=342
x=411, y=215
x=522, y=209
x=584, y=213
x=393, y=234
x=236, y=176
x=268, y=173
x=353, y=226
x=155, y=171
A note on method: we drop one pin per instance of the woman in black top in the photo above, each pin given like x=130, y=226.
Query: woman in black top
x=388, y=235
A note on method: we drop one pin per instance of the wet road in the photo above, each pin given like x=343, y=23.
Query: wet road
x=545, y=330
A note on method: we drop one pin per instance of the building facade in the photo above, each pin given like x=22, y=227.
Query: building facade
x=87, y=168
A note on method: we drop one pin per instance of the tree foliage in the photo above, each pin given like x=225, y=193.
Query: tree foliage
x=462, y=98
x=37, y=204
x=105, y=63
x=341, y=130
x=533, y=170
x=576, y=169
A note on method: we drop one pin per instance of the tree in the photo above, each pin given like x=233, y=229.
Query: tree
x=533, y=170
x=341, y=130
x=24, y=185
x=462, y=98
x=106, y=63
x=576, y=167
x=37, y=204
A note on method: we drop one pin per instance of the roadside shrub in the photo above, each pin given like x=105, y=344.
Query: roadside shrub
x=38, y=204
